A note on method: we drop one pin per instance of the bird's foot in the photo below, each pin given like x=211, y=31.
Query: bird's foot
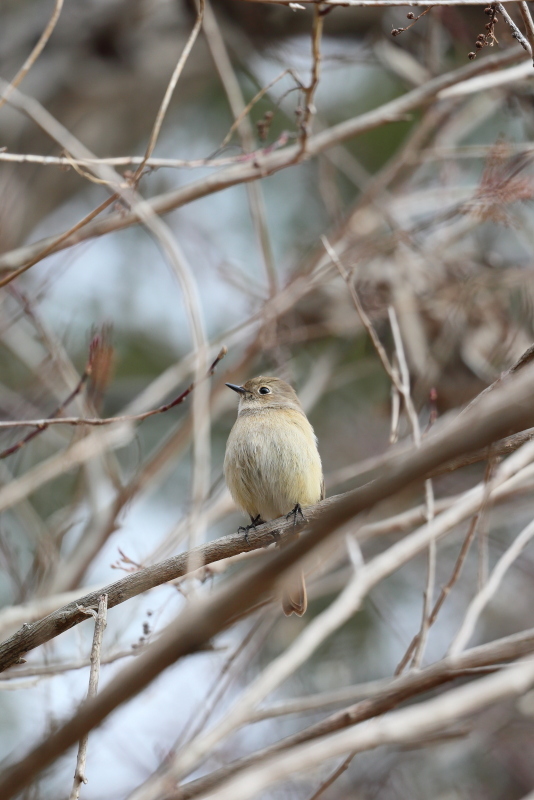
x=295, y=513
x=254, y=522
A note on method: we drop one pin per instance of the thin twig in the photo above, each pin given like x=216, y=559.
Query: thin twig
x=516, y=33
x=482, y=528
x=153, y=163
x=365, y=320
x=272, y=163
x=57, y=668
x=250, y=105
x=395, y=413
x=204, y=619
x=308, y=112
x=94, y=673
x=35, y=53
x=100, y=351
x=156, y=129
x=343, y=767
x=529, y=24
x=406, y=726
x=231, y=86
x=43, y=424
x=457, y=436
x=466, y=544
x=57, y=241
x=429, y=492
x=488, y=591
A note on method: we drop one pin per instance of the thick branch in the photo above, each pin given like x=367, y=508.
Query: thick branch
x=507, y=409
x=269, y=164
x=34, y=634
x=31, y=636
x=399, y=690
x=413, y=725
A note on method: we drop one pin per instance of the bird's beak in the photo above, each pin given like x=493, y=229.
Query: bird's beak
x=238, y=389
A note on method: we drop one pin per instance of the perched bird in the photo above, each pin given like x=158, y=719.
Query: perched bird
x=272, y=466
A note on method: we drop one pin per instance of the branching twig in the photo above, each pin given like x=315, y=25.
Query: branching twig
x=445, y=590
x=43, y=424
x=56, y=242
x=308, y=111
x=158, y=122
x=250, y=105
x=401, y=384
x=405, y=726
x=271, y=163
x=378, y=700
x=99, y=350
x=207, y=617
x=411, y=16
x=100, y=625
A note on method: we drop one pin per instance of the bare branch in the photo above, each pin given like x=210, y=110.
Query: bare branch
x=529, y=24
x=35, y=53
x=405, y=726
x=236, y=101
x=516, y=33
x=379, y=697
x=365, y=320
x=271, y=163
x=205, y=618
x=483, y=597
x=308, y=112
x=43, y=424
x=100, y=625
x=438, y=445
x=158, y=122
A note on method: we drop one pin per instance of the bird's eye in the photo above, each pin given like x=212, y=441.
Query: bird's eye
x=265, y=390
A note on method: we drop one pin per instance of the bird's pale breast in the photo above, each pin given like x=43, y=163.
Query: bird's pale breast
x=272, y=462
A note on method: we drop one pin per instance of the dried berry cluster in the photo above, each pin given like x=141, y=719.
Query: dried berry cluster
x=410, y=15
x=487, y=39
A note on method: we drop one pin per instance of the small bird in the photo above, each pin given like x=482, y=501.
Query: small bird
x=272, y=465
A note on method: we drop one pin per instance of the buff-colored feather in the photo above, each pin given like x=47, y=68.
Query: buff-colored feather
x=272, y=462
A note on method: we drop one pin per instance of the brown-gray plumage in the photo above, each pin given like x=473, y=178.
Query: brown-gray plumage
x=272, y=465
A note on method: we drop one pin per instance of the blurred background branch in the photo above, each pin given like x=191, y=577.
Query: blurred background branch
x=402, y=137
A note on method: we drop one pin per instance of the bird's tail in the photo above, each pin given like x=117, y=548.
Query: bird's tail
x=294, y=598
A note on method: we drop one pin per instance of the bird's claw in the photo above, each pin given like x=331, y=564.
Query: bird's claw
x=254, y=522
x=296, y=512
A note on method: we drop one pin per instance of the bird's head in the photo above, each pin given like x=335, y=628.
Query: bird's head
x=263, y=392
